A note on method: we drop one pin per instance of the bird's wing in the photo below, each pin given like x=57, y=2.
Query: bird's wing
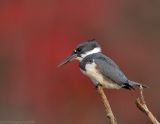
x=110, y=70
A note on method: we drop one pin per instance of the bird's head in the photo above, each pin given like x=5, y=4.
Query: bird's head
x=82, y=50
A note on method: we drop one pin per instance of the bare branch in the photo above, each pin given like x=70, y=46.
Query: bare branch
x=141, y=104
x=107, y=105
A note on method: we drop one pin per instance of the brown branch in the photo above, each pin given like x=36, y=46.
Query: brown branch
x=107, y=105
x=141, y=104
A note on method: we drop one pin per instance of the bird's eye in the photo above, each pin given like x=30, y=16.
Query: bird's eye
x=78, y=50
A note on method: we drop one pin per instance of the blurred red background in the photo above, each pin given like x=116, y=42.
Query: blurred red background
x=36, y=35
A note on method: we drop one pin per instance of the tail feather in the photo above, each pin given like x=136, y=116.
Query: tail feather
x=133, y=84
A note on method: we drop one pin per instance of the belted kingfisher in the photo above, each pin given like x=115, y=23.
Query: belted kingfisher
x=99, y=68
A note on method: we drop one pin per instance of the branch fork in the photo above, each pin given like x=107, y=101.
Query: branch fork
x=141, y=105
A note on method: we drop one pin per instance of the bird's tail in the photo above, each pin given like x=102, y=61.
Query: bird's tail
x=133, y=84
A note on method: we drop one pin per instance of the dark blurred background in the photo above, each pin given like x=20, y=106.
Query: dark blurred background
x=36, y=35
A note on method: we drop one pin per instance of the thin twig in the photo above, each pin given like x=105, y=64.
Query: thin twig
x=107, y=105
x=141, y=104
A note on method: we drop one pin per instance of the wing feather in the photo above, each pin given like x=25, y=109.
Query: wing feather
x=110, y=70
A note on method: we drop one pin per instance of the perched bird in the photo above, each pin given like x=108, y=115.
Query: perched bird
x=99, y=68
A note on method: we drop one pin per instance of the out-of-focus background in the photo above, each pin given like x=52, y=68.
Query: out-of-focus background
x=36, y=35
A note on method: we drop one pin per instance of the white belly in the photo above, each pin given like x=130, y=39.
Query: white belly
x=98, y=78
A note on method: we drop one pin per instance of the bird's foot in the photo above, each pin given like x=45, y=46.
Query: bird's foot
x=98, y=85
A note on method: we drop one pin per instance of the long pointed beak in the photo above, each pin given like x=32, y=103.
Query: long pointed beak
x=68, y=59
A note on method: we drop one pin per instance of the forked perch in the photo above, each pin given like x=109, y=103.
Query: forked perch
x=141, y=104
